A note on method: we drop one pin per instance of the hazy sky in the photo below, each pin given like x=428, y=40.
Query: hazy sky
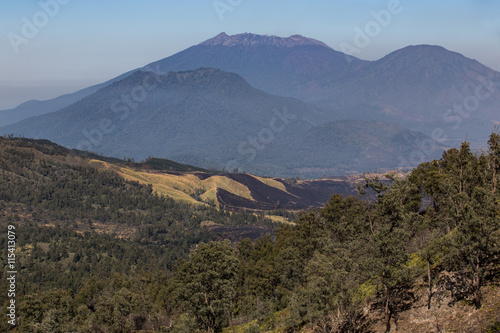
x=51, y=47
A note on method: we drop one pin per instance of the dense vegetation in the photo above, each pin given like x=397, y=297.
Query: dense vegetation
x=439, y=227
x=75, y=223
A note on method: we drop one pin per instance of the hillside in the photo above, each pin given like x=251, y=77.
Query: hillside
x=352, y=146
x=422, y=87
x=236, y=191
x=296, y=66
x=94, y=249
x=215, y=119
x=201, y=113
x=196, y=186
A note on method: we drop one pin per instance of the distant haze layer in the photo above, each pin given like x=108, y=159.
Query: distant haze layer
x=14, y=93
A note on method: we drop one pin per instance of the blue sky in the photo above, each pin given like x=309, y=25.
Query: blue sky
x=84, y=42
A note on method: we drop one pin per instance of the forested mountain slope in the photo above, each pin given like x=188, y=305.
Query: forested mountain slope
x=98, y=253
x=211, y=118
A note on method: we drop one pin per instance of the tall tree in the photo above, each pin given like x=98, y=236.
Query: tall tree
x=494, y=159
x=475, y=244
x=206, y=283
x=397, y=214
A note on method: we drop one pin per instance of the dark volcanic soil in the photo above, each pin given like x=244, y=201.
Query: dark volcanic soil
x=298, y=195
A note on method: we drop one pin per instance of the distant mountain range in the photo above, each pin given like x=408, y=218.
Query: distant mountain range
x=422, y=87
x=417, y=86
x=295, y=66
x=212, y=118
x=208, y=117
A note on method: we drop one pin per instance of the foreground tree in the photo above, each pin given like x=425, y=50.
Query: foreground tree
x=475, y=245
x=205, y=284
x=397, y=219
x=463, y=204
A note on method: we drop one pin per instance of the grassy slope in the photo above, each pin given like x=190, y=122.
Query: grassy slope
x=187, y=187
x=272, y=182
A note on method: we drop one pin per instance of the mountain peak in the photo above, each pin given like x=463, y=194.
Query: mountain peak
x=248, y=39
x=425, y=50
x=437, y=55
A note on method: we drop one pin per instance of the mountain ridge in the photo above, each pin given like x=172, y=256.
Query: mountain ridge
x=417, y=87
x=308, y=69
x=216, y=116
x=249, y=39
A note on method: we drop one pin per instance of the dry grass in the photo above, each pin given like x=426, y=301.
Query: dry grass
x=279, y=219
x=181, y=187
x=272, y=182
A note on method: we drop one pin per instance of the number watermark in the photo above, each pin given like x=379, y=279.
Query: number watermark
x=11, y=274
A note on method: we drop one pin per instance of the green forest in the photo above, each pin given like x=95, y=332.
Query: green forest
x=96, y=253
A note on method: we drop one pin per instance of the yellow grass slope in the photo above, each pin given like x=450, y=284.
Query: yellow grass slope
x=184, y=187
x=272, y=182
